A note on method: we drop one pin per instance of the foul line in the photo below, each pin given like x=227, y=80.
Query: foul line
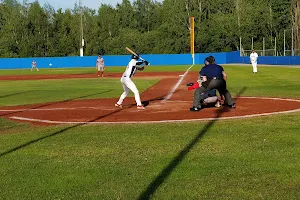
x=177, y=84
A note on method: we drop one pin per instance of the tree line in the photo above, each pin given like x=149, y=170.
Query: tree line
x=148, y=26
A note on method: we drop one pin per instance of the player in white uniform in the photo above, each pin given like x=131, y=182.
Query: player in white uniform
x=128, y=84
x=253, y=60
x=33, y=65
x=100, y=65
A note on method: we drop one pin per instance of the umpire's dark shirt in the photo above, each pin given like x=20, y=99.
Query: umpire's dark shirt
x=212, y=70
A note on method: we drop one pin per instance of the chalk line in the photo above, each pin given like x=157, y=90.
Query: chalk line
x=153, y=122
x=177, y=85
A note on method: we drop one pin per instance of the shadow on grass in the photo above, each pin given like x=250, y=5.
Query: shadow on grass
x=166, y=172
x=9, y=95
x=48, y=136
x=53, y=103
x=67, y=128
x=52, y=134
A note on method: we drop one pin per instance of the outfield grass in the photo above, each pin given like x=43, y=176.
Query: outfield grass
x=85, y=70
x=233, y=159
x=42, y=91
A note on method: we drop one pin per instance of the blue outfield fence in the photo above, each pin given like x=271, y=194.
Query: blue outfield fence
x=154, y=59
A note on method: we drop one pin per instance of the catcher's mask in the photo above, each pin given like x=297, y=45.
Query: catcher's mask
x=135, y=57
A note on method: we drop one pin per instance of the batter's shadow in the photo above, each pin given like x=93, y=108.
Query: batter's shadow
x=147, y=102
x=166, y=172
x=161, y=98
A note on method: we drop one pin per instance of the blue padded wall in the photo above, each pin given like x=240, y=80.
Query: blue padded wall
x=154, y=59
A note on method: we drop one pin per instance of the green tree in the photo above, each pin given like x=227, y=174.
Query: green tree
x=146, y=15
x=125, y=14
x=90, y=32
x=107, y=27
x=63, y=42
x=148, y=26
x=50, y=49
x=37, y=30
x=9, y=28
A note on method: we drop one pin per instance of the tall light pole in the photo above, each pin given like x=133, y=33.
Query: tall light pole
x=292, y=41
x=284, y=42
x=81, y=27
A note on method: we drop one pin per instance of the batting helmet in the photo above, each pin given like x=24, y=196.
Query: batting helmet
x=135, y=57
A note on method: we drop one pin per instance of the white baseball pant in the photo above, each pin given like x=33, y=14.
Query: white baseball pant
x=100, y=67
x=127, y=86
x=209, y=100
x=254, y=65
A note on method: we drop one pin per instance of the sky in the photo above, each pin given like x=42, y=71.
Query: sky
x=94, y=4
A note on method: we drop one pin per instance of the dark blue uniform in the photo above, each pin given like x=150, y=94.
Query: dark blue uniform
x=208, y=93
x=215, y=80
x=212, y=70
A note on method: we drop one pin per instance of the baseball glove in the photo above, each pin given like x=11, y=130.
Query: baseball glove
x=193, y=86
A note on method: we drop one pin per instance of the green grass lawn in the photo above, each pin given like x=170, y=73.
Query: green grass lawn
x=41, y=91
x=85, y=70
x=255, y=158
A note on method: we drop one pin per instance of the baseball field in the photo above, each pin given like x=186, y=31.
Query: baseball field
x=62, y=138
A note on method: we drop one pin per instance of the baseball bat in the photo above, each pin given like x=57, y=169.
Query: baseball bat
x=132, y=52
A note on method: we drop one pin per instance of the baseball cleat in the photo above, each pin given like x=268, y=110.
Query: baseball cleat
x=232, y=106
x=118, y=105
x=195, y=109
x=140, y=107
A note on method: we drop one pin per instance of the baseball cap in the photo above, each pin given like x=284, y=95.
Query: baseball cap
x=210, y=59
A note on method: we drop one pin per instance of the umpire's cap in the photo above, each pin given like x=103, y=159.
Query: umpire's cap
x=210, y=59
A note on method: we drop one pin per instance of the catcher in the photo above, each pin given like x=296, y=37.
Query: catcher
x=208, y=98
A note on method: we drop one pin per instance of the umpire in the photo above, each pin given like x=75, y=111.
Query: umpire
x=213, y=77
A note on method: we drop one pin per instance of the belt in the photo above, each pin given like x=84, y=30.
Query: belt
x=216, y=78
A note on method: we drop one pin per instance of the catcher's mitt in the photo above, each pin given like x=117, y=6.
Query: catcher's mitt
x=193, y=86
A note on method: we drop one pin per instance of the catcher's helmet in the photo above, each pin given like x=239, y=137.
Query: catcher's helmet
x=134, y=56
